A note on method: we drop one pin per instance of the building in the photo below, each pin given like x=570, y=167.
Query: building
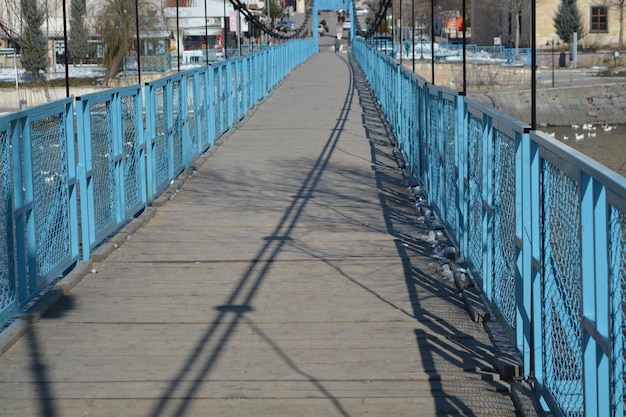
x=494, y=21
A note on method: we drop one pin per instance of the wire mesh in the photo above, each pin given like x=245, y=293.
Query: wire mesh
x=191, y=112
x=503, y=293
x=561, y=304
x=240, y=91
x=423, y=146
x=160, y=141
x=433, y=150
x=224, y=98
x=202, y=116
x=617, y=239
x=50, y=186
x=217, y=102
x=103, y=166
x=8, y=296
x=475, y=201
x=177, y=140
x=449, y=161
x=132, y=153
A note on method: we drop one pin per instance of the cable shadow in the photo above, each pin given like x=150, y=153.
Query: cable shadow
x=177, y=397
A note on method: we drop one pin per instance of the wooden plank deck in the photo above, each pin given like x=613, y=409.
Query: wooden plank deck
x=289, y=276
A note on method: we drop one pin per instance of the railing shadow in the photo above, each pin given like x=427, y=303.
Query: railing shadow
x=177, y=397
x=38, y=362
x=464, y=348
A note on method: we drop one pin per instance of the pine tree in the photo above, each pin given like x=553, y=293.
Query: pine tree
x=79, y=36
x=33, y=42
x=568, y=20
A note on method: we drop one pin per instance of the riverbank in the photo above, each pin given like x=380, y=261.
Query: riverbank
x=598, y=103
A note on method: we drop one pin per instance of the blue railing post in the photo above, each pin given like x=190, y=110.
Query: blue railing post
x=595, y=298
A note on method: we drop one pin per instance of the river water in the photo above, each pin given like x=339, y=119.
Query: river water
x=607, y=147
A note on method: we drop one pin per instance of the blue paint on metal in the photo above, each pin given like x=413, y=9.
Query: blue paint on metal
x=118, y=164
x=542, y=229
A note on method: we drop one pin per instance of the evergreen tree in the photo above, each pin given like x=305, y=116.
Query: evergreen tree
x=79, y=35
x=33, y=42
x=568, y=20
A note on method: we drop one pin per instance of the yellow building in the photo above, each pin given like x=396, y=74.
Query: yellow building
x=600, y=20
x=494, y=21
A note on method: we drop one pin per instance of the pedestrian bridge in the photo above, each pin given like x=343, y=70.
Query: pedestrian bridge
x=303, y=233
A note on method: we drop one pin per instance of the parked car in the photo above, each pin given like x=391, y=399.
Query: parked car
x=347, y=25
x=287, y=26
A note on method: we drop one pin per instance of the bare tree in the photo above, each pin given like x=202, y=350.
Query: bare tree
x=117, y=25
x=516, y=10
x=10, y=20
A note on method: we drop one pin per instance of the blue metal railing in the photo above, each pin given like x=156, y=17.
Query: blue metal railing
x=73, y=172
x=541, y=226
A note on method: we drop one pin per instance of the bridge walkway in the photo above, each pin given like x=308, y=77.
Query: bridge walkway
x=287, y=275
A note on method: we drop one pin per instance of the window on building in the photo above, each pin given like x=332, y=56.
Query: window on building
x=599, y=21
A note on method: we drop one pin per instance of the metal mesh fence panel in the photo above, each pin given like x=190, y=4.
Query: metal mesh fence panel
x=191, y=112
x=103, y=166
x=217, y=112
x=160, y=141
x=617, y=239
x=449, y=161
x=475, y=201
x=177, y=140
x=203, y=116
x=50, y=185
x=503, y=294
x=561, y=304
x=8, y=296
x=132, y=153
x=433, y=151
x=423, y=146
x=224, y=99
x=240, y=100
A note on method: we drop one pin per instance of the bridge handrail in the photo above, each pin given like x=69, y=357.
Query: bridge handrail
x=75, y=171
x=541, y=227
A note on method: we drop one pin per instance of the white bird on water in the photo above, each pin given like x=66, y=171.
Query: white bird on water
x=580, y=136
x=565, y=137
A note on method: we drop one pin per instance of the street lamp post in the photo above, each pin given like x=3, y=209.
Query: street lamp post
x=548, y=44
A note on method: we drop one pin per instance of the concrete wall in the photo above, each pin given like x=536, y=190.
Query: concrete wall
x=35, y=96
x=478, y=75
